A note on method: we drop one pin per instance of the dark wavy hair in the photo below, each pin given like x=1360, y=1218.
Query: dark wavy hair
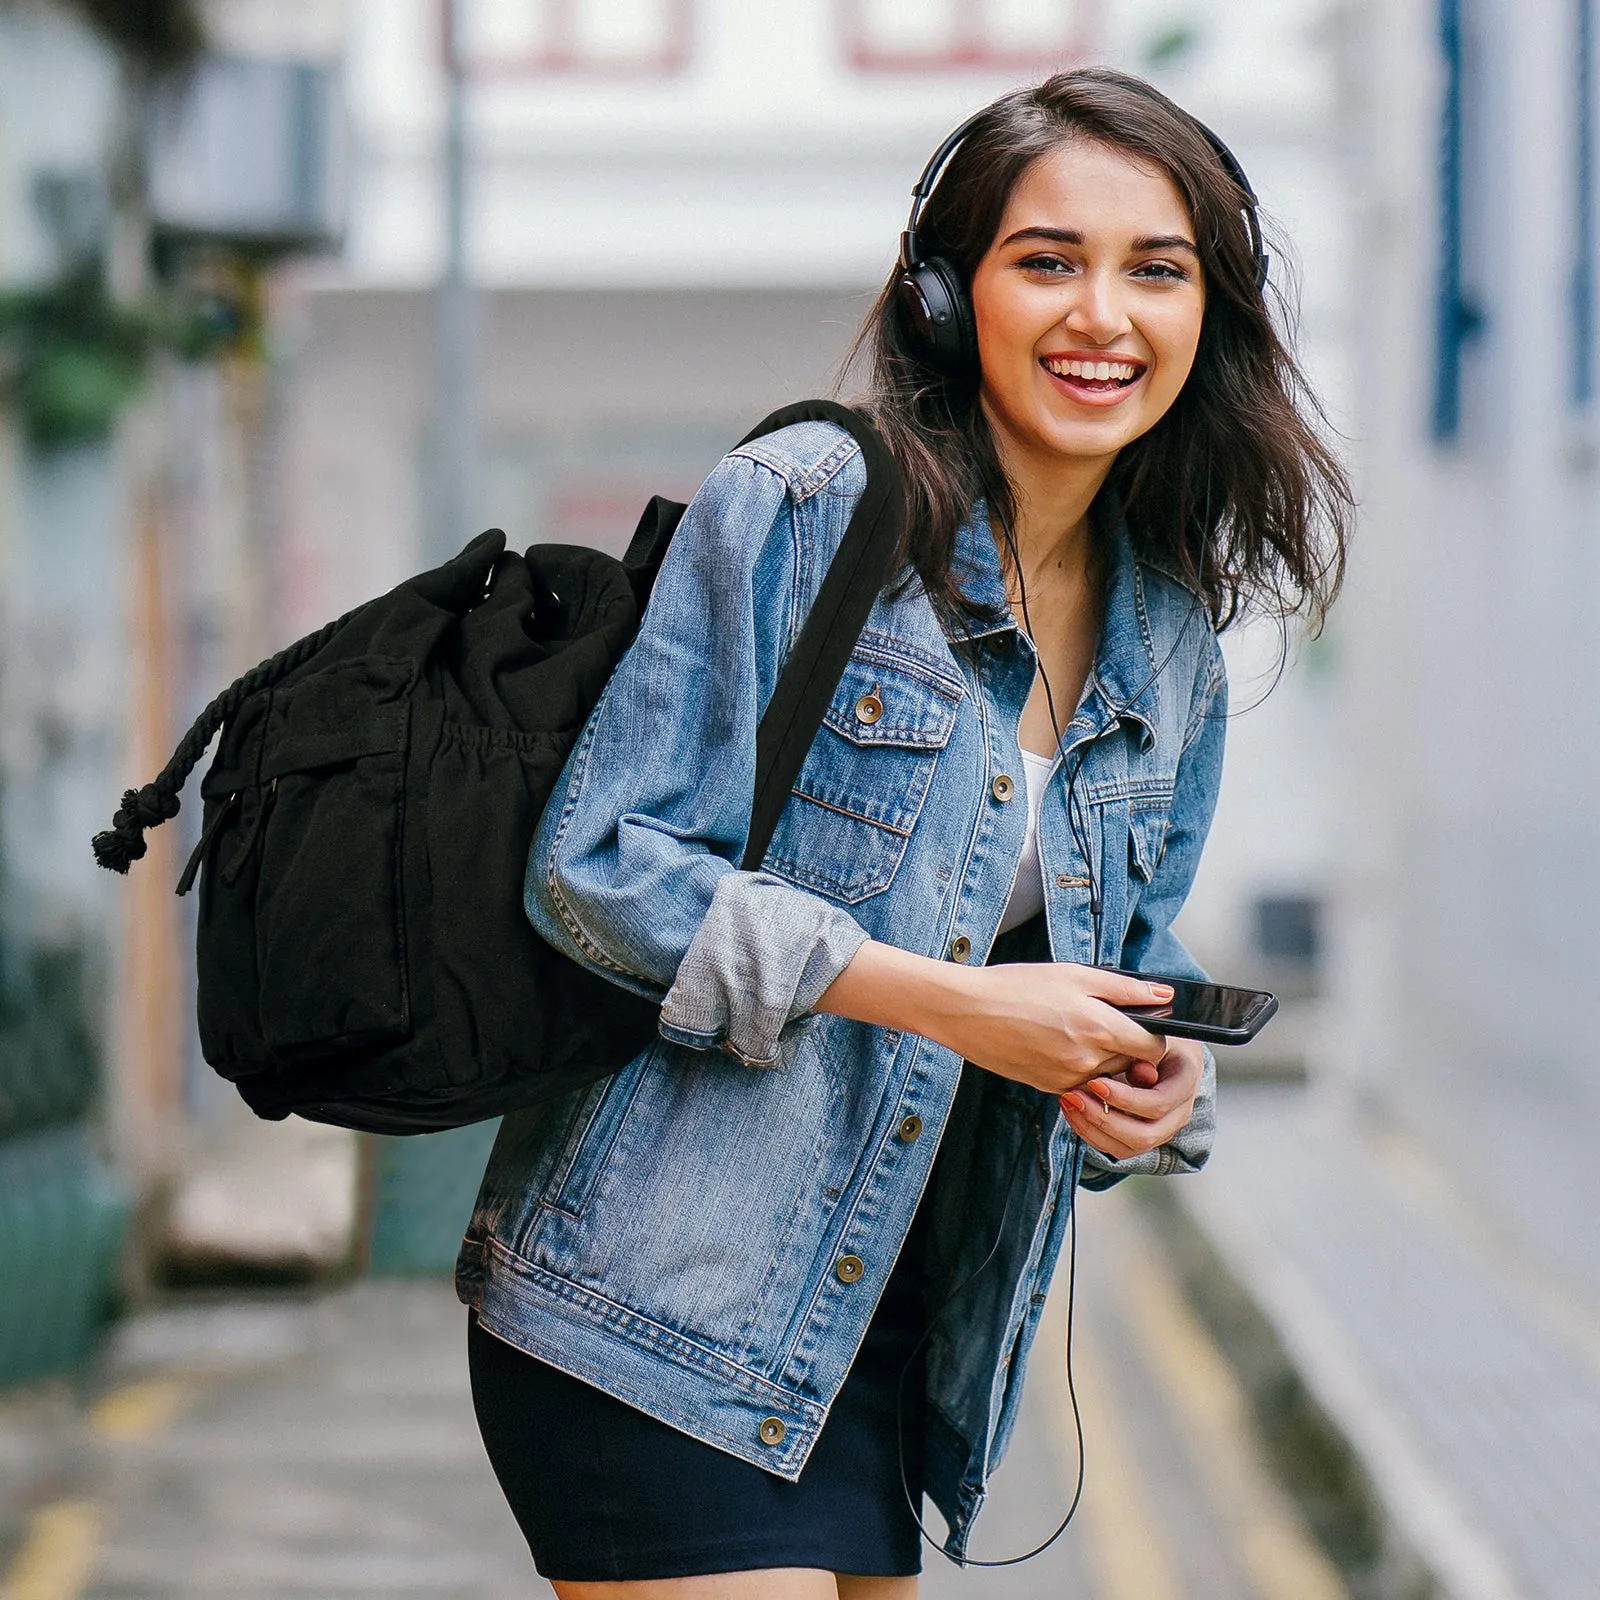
x=1235, y=491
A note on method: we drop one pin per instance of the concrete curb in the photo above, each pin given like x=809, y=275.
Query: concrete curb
x=1394, y=1527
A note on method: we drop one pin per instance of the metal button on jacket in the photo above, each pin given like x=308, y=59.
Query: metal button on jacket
x=850, y=1269
x=910, y=1129
x=772, y=1430
x=869, y=708
x=960, y=948
x=1003, y=788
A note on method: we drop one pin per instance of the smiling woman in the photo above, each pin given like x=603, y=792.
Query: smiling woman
x=738, y=1307
x=1108, y=215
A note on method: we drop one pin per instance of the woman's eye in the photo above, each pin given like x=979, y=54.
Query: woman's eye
x=1162, y=272
x=1045, y=266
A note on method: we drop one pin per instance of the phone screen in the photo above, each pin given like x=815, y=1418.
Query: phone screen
x=1210, y=1005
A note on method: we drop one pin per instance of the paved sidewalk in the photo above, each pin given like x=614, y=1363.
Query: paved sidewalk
x=323, y=1448
x=1461, y=1370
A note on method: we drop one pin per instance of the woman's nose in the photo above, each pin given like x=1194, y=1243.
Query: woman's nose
x=1098, y=312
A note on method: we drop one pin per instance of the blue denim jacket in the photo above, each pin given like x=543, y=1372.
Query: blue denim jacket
x=682, y=1234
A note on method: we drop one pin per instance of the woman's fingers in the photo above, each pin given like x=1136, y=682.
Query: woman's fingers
x=1167, y=1091
x=1123, y=1036
x=1144, y=1074
x=1117, y=989
x=1122, y=1119
x=1111, y=1132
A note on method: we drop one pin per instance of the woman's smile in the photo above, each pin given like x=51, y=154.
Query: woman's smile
x=1094, y=377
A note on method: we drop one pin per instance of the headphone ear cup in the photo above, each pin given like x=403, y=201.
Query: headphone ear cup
x=938, y=318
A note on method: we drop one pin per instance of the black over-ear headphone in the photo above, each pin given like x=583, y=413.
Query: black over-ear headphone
x=932, y=290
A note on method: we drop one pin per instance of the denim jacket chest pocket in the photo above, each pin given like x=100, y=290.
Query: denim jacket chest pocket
x=1132, y=795
x=862, y=788
x=1149, y=821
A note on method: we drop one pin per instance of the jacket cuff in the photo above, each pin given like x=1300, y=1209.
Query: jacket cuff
x=761, y=959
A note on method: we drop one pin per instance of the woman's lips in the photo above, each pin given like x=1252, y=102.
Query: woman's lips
x=1094, y=391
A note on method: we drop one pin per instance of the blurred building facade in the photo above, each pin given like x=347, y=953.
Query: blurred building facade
x=1470, y=862
x=678, y=212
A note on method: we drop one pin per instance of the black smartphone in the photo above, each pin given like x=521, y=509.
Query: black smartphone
x=1210, y=1012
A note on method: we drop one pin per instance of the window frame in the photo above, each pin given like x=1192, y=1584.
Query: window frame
x=969, y=55
x=566, y=61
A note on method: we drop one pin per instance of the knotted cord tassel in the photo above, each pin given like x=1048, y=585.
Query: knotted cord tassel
x=142, y=808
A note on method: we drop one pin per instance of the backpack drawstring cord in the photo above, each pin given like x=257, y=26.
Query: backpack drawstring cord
x=123, y=843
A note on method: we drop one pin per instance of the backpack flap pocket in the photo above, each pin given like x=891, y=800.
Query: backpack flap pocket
x=309, y=868
x=330, y=930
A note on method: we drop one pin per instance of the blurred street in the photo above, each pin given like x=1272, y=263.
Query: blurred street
x=273, y=1448
x=297, y=295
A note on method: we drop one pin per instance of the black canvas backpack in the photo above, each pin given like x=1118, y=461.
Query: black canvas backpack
x=363, y=956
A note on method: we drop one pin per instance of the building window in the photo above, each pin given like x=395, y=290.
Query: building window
x=919, y=35
x=1459, y=317
x=589, y=36
x=1584, y=240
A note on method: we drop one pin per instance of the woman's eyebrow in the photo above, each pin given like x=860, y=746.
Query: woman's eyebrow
x=1052, y=235
x=1155, y=241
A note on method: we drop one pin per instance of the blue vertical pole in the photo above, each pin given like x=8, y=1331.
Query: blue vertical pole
x=1447, y=289
x=1583, y=263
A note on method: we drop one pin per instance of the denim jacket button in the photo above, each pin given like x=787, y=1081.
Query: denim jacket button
x=869, y=708
x=850, y=1269
x=910, y=1129
x=772, y=1430
x=1003, y=788
x=960, y=948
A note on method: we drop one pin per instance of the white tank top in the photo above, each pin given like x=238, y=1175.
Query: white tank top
x=1027, y=893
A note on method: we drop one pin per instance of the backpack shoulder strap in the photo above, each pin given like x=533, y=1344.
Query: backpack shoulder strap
x=862, y=565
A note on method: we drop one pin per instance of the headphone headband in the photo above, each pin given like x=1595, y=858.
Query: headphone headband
x=911, y=255
x=924, y=187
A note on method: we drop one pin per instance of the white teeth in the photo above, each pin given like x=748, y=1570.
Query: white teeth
x=1098, y=371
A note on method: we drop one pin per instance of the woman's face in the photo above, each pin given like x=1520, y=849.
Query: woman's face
x=1088, y=306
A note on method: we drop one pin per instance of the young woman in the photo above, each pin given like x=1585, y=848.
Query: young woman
x=696, y=1286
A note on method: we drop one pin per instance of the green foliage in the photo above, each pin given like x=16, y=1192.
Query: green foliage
x=1171, y=44
x=71, y=357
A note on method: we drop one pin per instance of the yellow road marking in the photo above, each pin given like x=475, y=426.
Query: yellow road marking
x=1130, y=1557
x=139, y=1409
x=1283, y=1560
x=61, y=1554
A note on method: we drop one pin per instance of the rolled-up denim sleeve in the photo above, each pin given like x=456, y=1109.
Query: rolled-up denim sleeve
x=633, y=870
x=1152, y=946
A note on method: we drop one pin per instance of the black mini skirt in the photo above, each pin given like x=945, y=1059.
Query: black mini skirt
x=605, y=1494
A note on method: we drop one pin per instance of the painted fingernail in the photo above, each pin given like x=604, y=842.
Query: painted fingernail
x=1072, y=1102
x=1099, y=1088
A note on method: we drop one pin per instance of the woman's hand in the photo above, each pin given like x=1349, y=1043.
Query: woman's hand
x=1051, y=1025
x=1141, y=1110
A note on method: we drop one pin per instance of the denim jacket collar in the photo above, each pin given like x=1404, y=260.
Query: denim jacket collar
x=1124, y=682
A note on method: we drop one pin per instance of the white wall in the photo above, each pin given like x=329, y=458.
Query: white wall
x=768, y=159
x=1470, y=745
